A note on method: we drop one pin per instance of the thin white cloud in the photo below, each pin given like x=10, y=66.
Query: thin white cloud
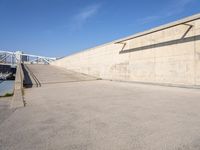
x=148, y=19
x=177, y=7
x=174, y=8
x=84, y=15
x=88, y=12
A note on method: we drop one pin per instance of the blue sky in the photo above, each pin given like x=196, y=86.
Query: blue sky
x=61, y=27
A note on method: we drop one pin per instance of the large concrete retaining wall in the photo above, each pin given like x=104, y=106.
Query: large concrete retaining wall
x=169, y=54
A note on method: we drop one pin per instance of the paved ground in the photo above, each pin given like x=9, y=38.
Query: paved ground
x=104, y=115
x=5, y=110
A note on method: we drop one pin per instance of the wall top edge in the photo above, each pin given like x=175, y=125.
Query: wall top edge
x=162, y=27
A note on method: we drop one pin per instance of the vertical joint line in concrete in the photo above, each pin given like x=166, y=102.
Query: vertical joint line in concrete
x=195, y=61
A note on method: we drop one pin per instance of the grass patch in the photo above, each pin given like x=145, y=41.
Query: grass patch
x=7, y=95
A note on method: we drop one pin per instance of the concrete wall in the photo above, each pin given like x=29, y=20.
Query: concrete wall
x=168, y=54
x=18, y=99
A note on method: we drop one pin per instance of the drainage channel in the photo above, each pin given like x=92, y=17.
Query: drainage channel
x=29, y=78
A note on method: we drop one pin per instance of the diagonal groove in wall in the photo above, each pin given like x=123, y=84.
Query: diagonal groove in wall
x=172, y=42
x=187, y=31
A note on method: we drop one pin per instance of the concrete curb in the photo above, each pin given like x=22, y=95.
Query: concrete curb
x=18, y=99
x=157, y=84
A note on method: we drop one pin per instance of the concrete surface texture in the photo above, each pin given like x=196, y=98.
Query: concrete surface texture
x=104, y=115
x=18, y=99
x=169, y=56
x=47, y=74
x=5, y=110
x=66, y=113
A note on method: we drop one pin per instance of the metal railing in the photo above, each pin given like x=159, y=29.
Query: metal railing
x=18, y=57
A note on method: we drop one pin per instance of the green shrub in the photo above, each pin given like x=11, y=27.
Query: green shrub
x=8, y=94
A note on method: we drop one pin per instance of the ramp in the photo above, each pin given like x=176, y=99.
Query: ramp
x=38, y=75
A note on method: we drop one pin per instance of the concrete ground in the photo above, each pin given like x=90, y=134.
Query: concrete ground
x=5, y=110
x=104, y=115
